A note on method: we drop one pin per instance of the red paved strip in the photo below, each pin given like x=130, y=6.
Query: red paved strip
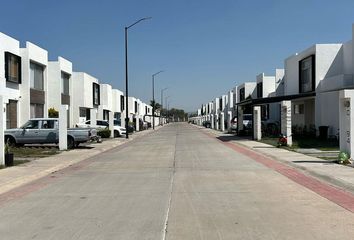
x=334, y=194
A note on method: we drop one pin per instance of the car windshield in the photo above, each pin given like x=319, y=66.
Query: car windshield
x=31, y=124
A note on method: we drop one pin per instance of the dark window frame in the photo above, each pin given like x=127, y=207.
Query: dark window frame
x=242, y=94
x=122, y=99
x=260, y=90
x=96, y=86
x=65, y=77
x=313, y=73
x=8, y=55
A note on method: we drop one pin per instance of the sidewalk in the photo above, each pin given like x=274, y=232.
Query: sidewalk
x=17, y=176
x=333, y=173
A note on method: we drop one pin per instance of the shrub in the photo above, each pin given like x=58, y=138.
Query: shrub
x=343, y=158
x=104, y=133
x=52, y=113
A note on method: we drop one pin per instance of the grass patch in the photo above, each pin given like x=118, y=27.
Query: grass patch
x=34, y=152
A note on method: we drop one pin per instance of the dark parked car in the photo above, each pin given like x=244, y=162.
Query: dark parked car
x=207, y=124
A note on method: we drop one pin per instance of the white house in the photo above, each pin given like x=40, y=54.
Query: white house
x=11, y=79
x=106, y=102
x=60, y=86
x=118, y=105
x=86, y=99
x=34, y=87
x=313, y=77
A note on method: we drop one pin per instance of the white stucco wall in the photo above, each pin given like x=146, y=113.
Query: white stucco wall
x=32, y=53
x=55, y=68
x=82, y=93
x=116, y=105
x=7, y=89
x=250, y=90
x=268, y=84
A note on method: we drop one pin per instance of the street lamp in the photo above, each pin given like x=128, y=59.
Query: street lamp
x=126, y=73
x=153, y=98
x=162, y=90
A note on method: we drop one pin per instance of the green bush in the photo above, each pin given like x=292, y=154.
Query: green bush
x=104, y=133
x=52, y=113
x=343, y=158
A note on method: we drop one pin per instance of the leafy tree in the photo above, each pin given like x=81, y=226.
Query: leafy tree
x=155, y=105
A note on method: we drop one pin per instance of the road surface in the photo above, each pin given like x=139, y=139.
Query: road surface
x=177, y=183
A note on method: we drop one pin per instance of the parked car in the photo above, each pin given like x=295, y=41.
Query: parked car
x=233, y=127
x=45, y=131
x=103, y=124
x=118, y=129
x=247, y=121
x=207, y=124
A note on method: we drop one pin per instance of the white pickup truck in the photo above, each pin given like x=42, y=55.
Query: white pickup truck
x=45, y=131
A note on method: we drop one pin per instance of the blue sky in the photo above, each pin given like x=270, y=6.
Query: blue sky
x=205, y=47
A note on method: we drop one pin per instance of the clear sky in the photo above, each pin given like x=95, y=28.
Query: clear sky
x=206, y=47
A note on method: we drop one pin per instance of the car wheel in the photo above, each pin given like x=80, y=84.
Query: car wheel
x=71, y=143
x=10, y=140
x=116, y=134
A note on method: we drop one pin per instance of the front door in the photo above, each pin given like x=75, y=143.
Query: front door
x=11, y=114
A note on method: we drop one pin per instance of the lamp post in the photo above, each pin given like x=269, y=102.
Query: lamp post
x=167, y=105
x=126, y=72
x=153, y=98
x=162, y=90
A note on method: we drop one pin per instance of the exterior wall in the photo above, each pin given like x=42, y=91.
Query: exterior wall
x=328, y=103
x=9, y=91
x=32, y=53
x=106, y=100
x=250, y=90
x=55, y=85
x=116, y=103
x=131, y=110
x=279, y=82
x=268, y=83
x=82, y=83
x=329, y=66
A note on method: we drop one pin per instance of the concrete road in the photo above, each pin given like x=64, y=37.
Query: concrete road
x=177, y=183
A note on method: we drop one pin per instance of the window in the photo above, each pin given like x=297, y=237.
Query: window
x=82, y=112
x=48, y=124
x=299, y=109
x=65, y=78
x=96, y=94
x=146, y=110
x=135, y=106
x=105, y=115
x=117, y=116
x=260, y=90
x=242, y=94
x=37, y=110
x=307, y=74
x=220, y=103
x=31, y=124
x=12, y=68
x=121, y=103
x=36, y=76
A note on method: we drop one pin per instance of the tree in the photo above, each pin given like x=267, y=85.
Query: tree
x=156, y=105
